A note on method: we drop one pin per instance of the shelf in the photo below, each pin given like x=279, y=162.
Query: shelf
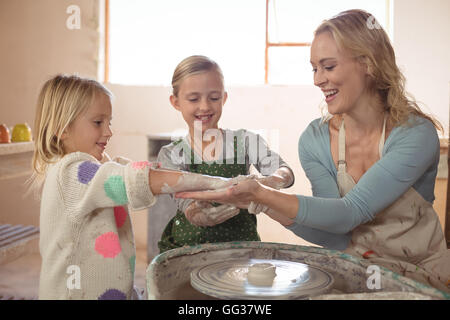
x=15, y=159
x=16, y=147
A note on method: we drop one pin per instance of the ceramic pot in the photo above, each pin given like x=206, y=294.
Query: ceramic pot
x=4, y=134
x=21, y=133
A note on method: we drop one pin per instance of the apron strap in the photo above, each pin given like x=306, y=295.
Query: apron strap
x=341, y=144
x=383, y=136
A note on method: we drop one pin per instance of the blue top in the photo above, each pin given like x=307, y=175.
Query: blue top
x=410, y=159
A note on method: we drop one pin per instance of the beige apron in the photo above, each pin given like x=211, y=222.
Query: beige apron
x=406, y=237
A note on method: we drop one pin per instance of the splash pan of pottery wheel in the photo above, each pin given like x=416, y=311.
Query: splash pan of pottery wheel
x=260, y=279
x=221, y=271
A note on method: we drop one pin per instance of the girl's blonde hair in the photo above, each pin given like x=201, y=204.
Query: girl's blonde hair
x=61, y=100
x=358, y=33
x=190, y=66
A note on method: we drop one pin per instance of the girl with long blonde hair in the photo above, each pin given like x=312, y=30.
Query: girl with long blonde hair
x=86, y=239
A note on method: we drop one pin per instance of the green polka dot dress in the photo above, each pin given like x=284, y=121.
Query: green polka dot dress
x=242, y=227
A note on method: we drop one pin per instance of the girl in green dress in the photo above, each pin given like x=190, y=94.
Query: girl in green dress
x=198, y=93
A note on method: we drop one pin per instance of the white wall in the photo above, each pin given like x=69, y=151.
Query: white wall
x=422, y=45
x=35, y=44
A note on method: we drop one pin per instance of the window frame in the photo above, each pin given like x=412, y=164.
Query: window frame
x=275, y=44
x=301, y=44
x=268, y=44
x=106, y=47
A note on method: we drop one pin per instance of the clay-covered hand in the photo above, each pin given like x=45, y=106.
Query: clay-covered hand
x=256, y=208
x=274, y=182
x=240, y=178
x=204, y=214
x=239, y=195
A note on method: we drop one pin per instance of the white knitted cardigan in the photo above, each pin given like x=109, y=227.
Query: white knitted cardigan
x=87, y=242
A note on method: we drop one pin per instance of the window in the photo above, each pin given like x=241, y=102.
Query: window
x=147, y=39
x=289, y=32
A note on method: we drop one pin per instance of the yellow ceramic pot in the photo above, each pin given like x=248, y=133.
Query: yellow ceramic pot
x=21, y=133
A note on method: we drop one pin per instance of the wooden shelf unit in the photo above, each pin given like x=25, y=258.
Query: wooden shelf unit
x=15, y=159
x=16, y=240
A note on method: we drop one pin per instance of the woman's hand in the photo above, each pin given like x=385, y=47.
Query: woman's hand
x=204, y=214
x=280, y=179
x=274, y=182
x=239, y=195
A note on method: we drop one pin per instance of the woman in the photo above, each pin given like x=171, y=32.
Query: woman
x=372, y=163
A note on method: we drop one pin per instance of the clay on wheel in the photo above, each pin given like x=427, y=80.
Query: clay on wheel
x=261, y=274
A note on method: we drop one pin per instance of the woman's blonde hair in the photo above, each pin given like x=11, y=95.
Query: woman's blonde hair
x=190, y=66
x=358, y=33
x=60, y=101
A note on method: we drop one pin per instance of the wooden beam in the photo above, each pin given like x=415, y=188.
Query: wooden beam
x=266, y=57
x=275, y=44
x=289, y=44
x=447, y=209
x=106, y=76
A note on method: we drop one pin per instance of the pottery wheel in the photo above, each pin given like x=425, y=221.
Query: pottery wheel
x=228, y=280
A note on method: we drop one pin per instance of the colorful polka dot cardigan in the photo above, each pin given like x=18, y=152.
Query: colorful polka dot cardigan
x=87, y=242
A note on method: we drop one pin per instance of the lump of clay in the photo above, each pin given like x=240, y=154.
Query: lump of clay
x=261, y=274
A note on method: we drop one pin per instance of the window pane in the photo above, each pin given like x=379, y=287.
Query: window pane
x=290, y=65
x=295, y=21
x=149, y=38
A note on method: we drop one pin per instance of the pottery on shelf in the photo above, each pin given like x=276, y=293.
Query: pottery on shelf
x=21, y=133
x=4, y=134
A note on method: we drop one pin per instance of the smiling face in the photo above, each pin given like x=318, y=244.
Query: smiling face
x=90, y=131
x=341, y=78
x=201, y=98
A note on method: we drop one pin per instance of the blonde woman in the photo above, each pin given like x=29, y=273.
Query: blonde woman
x=372, y=163
x=86, y=241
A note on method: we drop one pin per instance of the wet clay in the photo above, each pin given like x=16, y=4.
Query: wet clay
x=261, y=274
x=195, y=182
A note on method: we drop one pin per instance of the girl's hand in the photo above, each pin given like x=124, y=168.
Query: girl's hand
x=204, y=214
x=274, y=182
x=281, y=178
x=239, y=195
